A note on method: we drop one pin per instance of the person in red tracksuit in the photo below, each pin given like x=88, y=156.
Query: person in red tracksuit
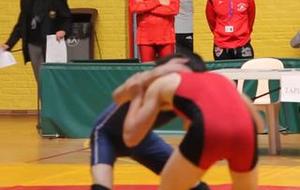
x=231, y=22
x=155, y=27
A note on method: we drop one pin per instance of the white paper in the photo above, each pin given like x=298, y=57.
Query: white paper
x=290, y=88
x=6, y=59
x=56, y=51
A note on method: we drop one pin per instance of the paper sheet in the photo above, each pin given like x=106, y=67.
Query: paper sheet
x=290, y=88
x=6, y=59
x=56, y=51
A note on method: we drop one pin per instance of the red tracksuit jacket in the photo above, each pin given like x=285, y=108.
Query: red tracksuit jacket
x=231, y=21
x=155, y=22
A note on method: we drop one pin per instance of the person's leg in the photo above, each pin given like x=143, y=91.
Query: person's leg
x=153, y=152
x=243, y=169
x=102, y=176
x=147, y=53
x=37, y=58
x=244, y=181
x=103, y=157
x=191, y=148
x=103, y=153
x=166, y=49
x=174, y=174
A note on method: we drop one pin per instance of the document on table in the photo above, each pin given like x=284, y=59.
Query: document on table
x=290, y=87
x=6, y=59
x=56, y=51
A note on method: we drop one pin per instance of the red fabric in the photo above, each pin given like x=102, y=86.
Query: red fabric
x=242, y=19
x=155, y=22
x=148, y=52
x=228, y=127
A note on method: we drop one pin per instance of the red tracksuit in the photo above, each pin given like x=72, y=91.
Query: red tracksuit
x=155, y=27
x=231, y=21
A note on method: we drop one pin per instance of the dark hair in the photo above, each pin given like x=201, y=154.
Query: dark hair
x=195, y=62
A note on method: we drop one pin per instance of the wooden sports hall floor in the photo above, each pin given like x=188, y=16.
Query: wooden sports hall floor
x=27, y=160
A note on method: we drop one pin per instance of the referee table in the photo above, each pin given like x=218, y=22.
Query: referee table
x=73, y=94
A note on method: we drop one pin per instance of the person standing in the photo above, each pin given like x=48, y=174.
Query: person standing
x=37, y=19
x=155, y=27
x=231, y=22
x=184, y=27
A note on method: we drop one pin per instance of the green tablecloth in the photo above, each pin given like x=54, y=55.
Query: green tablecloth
x=72, y=95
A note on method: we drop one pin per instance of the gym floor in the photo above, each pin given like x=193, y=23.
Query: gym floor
x=30, y=162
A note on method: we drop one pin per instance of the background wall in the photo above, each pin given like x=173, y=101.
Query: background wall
x=276, y=23
x=17, y=85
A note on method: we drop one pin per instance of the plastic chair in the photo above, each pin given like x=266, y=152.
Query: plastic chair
x=264, y=103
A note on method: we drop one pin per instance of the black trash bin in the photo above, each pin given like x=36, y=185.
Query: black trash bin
x=80, y=42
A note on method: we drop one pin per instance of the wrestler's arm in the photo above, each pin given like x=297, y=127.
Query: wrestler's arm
x=144, y=108
x=123, y=92
x=141, y=115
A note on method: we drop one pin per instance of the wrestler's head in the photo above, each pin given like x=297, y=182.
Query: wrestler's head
x=192, y=61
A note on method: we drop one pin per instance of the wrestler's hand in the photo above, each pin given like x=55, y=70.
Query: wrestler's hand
x=164, y=2
x=133, y=84
x=135, y=89
x=60, y=35
x=125, y=92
